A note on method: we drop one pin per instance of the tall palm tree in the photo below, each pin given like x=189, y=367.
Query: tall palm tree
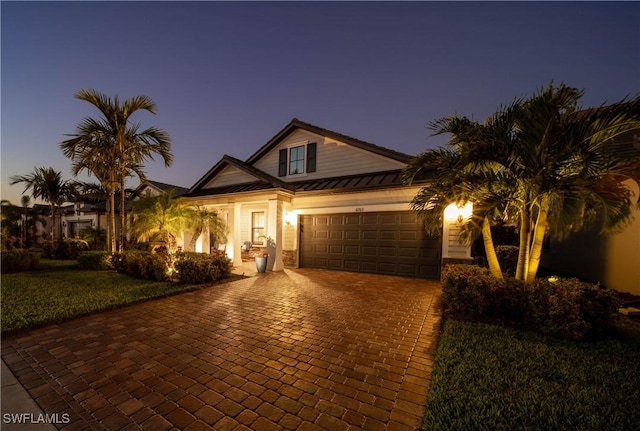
x=542, y=164
x=202, y=220
x=46, y=184
x=124, y=145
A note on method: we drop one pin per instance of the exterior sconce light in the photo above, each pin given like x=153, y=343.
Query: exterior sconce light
x=289, y=217
x=64, y=224
x=458, y=212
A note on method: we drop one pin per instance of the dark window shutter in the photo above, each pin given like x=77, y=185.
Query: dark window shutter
x=311, y=157
x=282, y=164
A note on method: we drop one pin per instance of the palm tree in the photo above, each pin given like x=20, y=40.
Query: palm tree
x=203, y=220
x=542, y=164
x=160, y=218
x=453, y=182
x=46, y=184
x=121, y=146
x=25, y=201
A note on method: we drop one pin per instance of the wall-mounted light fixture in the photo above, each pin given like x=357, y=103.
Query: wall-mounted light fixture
x=458, y=212
x=64, y=224
x=289, y=217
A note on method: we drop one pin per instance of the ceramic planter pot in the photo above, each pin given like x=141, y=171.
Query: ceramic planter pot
x=261, y=263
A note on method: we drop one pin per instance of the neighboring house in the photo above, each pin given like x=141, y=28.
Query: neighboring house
x=92, y=213
x=315, y=198
x=612, y=260
x=154, y=188
x=82, y=214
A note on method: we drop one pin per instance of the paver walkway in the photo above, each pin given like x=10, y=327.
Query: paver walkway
x=294, y=350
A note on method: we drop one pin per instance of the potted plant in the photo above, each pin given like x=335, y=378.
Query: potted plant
x=261, y=261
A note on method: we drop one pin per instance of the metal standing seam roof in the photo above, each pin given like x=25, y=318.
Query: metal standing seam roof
x=375, y=180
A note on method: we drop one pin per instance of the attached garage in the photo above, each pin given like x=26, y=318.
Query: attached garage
x=390, y=243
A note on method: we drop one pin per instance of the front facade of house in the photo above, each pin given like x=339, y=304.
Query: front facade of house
x=315, y=198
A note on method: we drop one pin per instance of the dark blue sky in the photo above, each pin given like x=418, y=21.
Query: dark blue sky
x=227, y=76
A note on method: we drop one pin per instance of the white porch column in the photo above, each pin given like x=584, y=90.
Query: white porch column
x=275, y=231
x=234, y=247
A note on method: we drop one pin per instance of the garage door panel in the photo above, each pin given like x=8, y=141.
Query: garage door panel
x=352, y=250
x=369, y=251
x=388, y=219
x=352, y=235
x=321, y=234
x=383, y=243
x=388, y=235
x=370, y=234
x=352, y=220
x=339, y=235
x=369, y=219
x=336, y=220
x=321, y=220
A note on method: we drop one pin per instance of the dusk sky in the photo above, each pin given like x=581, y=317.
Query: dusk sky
x=226, y=77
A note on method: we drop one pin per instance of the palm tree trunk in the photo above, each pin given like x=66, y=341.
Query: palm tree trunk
x=123, y=220
x=112, y=237
x=194, y=238
x=490, y=250
x=53, y=221
x=523, y=249
x=538, y=238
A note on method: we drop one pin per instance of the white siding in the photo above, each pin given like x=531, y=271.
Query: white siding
x=245, y=220
x=230, y=176
x=334, y=158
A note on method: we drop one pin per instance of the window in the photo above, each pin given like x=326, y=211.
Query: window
x=297, y=160
x=257, y=228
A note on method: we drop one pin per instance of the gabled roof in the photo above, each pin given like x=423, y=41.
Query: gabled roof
x=163, y=187
x=297, y=124
x=262, y=177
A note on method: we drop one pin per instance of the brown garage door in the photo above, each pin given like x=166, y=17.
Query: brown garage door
x=382, y=243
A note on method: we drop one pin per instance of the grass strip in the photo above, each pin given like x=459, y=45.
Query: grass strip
x=488, y=377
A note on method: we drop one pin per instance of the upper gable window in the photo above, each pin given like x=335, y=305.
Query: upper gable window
x=297, y=160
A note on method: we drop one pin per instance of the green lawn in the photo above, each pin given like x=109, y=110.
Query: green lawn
x=61, y=291
x=491, y=378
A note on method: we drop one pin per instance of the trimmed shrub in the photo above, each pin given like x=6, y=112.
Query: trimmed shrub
x=199, y=268
x=508, y=258
x=68, y=248
x=469, y=289
x=95, y=260
x=145, y=265
x=566, y=308
x=569, y=308
x=19, y=261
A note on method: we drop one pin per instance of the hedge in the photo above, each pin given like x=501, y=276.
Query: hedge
x=184, y=267
x=567, y=308
x=95, y=260
x=19, y=261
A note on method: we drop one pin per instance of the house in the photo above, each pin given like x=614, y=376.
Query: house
x=315, y=198
x=93, y=212
x=612, y=260
x=154, y=188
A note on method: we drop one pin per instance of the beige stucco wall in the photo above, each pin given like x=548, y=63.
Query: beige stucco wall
x=612, y=260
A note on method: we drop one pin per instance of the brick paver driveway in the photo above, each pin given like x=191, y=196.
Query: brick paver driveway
x=295, y=350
